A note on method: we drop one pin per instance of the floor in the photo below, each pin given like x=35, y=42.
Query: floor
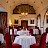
x=46, y=45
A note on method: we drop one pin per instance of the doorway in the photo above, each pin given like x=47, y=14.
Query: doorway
x=24, y=23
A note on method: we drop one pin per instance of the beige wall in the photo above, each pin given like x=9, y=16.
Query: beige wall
x=28, y=17
x=42, y=18
x=21, y=17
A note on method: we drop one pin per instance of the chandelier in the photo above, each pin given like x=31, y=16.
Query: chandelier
x=23, y=13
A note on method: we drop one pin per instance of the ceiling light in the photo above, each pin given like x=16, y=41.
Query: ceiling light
x=24, y=13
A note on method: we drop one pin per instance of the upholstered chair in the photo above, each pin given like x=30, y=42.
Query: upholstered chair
x=9, y=43
x=42, y=42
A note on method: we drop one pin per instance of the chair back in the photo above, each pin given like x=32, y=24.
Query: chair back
x=43, y=40
x=8, y=40
x=47, y=30
x=18, y=29
x=28, y=28
x=1, y=30
x=31, y=31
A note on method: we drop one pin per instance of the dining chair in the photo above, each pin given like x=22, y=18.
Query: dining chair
x=47, y=29
x=28, y=28
x=13, y=35
x=42, y=42
x=0, y=45
x=31, y=31
x=1, y=30
x=9, y=43
x=18, y=29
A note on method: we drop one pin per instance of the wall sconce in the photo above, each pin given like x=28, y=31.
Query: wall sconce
x=47, y=13
x=10, y=23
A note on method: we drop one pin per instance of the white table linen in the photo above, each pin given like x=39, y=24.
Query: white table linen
x=47, y=38
x=23, y=32
x=25, y=41
x=10, y=31
x=35, y=31
x=1, y=38
x=15, y=31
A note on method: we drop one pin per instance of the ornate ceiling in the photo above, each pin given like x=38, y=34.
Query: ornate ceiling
x=24, y=8
x=39, y=5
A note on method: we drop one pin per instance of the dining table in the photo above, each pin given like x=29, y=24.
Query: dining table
x=25, y=41
x=23, y=32
x=2, y=38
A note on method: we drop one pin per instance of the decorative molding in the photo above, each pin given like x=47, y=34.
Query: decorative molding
x=26, y=8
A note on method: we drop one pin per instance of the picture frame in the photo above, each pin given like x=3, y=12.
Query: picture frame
x=15, y=21
x=31, y=21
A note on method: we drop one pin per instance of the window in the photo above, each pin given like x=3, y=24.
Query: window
x=31, y=21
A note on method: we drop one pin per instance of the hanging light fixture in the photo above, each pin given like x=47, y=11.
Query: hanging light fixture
x=24, y=13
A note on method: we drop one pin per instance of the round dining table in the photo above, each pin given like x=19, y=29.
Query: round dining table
x=25, y=41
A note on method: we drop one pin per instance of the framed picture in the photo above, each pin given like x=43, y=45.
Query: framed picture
x=3, y=19
x=47, y=19
x=31, y=21
x=15, y=21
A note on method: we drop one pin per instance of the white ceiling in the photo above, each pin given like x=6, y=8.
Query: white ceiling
x=39, y=5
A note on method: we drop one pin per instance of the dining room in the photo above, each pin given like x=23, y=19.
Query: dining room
x=23, y=24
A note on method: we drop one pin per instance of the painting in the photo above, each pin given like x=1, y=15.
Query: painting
x=31, y=21
x=3, y=19
x=15, y=21
x=24, y=8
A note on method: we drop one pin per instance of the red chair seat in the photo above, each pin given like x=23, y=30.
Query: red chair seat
x=42, y=42
x=16, y=46
x=34, y=45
